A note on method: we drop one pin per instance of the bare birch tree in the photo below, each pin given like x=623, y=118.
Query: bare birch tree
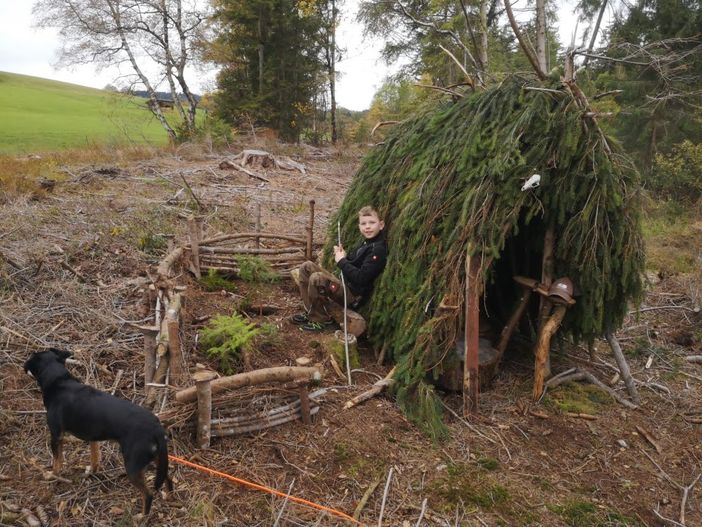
x=153, y=37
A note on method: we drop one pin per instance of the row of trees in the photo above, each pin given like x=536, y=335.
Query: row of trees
x=278, y=58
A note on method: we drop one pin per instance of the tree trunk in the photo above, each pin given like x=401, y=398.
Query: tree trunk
x=541, y=35
x=153, y=102
x=332, y=74
x=482, y=50
x=594, y=32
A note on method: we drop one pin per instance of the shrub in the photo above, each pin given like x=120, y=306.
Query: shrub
x=678, y=175
x=213, y=281
x=255, y=269
x=224, y=337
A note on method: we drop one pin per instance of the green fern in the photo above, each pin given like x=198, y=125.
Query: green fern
x=224, y=337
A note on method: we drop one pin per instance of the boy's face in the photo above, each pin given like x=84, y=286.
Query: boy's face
x=370, y=226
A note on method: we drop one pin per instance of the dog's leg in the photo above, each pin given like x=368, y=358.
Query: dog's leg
x=57, y=451
x=94, y=456
x=137, y=480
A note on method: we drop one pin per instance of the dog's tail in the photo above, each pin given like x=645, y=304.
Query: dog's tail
x=161, y=461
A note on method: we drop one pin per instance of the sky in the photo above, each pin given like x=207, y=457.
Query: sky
x=31, y=51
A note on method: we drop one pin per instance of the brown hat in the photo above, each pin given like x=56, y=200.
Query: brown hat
x=562, y=288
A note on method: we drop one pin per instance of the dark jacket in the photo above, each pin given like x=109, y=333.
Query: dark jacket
x=363, y=265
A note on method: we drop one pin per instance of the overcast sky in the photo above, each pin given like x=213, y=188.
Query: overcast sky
x=30, y=51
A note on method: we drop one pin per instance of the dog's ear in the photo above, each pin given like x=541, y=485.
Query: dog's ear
x=61, y=355
x=29, y=362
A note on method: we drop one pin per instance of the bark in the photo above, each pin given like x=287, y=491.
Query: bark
x=524, y=42
x=471, y=381
x=595, y=31
x=253, y=378
x=623, y=367
x=332, y=74
x=541, y=52
x=543, y=346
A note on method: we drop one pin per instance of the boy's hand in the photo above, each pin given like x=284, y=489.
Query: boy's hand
x=339, y=253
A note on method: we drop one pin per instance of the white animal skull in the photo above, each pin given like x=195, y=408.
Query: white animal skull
x=532, y=182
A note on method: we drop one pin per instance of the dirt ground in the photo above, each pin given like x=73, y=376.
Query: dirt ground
x=72, y=266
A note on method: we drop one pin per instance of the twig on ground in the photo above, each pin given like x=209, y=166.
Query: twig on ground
x=385, y=496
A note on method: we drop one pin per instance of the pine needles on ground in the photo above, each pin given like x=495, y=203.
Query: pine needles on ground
x=450, y=178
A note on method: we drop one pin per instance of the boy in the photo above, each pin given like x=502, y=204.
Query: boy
x=322, y=293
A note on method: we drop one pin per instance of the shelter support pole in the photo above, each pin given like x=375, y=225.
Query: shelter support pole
x=546, y=280
x=471, y=380
x=310, y=232
x=623, y=367
x=543, y=346
x=511, y=325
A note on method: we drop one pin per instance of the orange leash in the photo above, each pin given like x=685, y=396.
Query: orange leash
x=256, y=486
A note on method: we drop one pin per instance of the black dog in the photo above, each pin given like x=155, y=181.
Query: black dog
x=92, y=415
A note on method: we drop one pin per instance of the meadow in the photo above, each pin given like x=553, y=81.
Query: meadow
x=40, y=115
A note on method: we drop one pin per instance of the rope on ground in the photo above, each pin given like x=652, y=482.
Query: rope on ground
x=263, y=488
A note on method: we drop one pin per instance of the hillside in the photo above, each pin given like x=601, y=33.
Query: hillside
x=44, y=115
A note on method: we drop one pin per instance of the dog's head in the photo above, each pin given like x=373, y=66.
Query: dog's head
x=40, y=361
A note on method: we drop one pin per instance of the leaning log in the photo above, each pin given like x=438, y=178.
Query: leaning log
x=253, y=378
x=164, y=268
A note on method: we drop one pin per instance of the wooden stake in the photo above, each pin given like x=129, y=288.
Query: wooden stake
x=310, y=232
x=194, y=246
x=543, y=346
x=203, y=379
x=305, y=404
x=258, y=225
x=471, y=380
x=174, y=348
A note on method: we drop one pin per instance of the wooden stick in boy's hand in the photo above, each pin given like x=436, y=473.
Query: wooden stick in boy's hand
x=339, y=253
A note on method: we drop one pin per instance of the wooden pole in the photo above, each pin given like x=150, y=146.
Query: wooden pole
x=194, y=246
x=258, y=225
x=175, y=350
x=543, y=345
x=310, y=232
x=511, y=325
x=203, y=386
x=471, y=381
x=149, y=355
x=253, y=378
x=546, y=279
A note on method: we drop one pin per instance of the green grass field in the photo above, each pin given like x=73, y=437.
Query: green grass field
x=40, y=115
